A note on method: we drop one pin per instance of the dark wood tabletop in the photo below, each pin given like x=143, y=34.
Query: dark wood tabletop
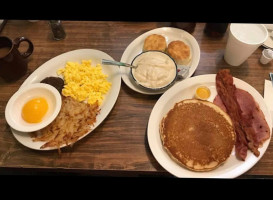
x=119, y=145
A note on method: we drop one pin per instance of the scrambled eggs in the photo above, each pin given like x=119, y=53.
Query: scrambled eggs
x=84, y=82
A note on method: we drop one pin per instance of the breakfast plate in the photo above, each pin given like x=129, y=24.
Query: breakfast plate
x=135, y=48
x=186, y=90
x=50, y=68
x=269, y=41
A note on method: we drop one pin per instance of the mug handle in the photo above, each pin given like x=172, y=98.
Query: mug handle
x=29, y=51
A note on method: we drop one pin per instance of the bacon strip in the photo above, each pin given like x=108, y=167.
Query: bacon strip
x=252, y=112
x=245, y=134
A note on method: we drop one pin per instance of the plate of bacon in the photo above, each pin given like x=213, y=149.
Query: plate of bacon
x=247, y=109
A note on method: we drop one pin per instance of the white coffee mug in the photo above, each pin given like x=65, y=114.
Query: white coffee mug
x=243, y=40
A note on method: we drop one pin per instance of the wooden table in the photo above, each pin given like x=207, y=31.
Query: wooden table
x=119, y=146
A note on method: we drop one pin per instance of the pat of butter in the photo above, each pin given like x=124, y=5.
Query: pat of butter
x=202, y=92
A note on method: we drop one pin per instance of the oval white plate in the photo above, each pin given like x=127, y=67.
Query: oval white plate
x=185, y=90
x=135, y=48
x=50, y=68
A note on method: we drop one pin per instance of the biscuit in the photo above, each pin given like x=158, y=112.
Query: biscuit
x=155, y=42
x=180, y=52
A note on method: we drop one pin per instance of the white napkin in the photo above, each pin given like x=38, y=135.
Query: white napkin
x=268, y=96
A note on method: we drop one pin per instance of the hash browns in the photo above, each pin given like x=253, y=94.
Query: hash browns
x=73, y=121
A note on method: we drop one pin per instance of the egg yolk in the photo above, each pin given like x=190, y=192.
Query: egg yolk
x=34, y=110
x=202, y=92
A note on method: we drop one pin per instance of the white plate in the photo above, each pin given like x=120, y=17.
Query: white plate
x=185, y=90
x=49, y=69
x=269, y=41
x=135, y=48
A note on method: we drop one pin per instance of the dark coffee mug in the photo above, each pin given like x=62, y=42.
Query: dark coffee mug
x=13, y=63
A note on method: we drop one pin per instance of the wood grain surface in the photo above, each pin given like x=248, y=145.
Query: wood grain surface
x=119, y=146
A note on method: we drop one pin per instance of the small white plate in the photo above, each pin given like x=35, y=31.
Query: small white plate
x=50, y=68
x=186, y=90
x=135, y=48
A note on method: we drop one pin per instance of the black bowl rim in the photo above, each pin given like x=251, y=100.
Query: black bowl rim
x=154, y=89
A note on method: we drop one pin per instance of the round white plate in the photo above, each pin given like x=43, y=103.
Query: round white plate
x=269, y=41
x=135, y=48
x=50, y=68
x=185, y=90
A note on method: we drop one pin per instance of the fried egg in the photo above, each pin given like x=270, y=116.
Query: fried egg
x=35, y=110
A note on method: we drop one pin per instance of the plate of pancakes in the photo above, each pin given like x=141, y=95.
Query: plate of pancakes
x=177, y=43
x=209, y=150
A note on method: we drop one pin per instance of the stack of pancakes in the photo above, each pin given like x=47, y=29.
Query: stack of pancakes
x=197, y=134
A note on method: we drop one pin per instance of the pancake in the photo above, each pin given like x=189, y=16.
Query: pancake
x=180, y=52
x=197, y=135
x=155, y=42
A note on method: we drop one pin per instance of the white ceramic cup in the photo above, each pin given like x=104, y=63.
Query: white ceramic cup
x=243, y=40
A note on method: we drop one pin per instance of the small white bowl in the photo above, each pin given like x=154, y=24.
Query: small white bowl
x=17, y=101
x=149, y=73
